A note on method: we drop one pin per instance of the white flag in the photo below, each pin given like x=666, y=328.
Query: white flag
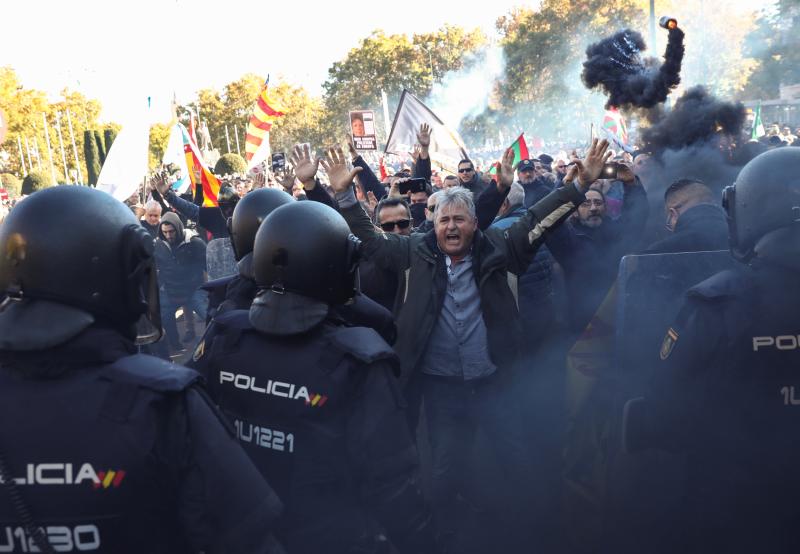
x=174, y=154
x=126, y=162
x=446, y=147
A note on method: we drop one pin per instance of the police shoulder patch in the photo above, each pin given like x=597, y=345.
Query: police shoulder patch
x=200, y=350
x=669, y=343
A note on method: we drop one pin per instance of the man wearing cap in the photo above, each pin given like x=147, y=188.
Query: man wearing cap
x=535, y=185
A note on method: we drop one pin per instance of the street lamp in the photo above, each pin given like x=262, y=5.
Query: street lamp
x=430, y=61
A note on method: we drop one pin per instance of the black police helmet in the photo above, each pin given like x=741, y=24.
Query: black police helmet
x=227, y=200
x=249, y=213
x=764, y=199
x=306, y=248
x=75, y=251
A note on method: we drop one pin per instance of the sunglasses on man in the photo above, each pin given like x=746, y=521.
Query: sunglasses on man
x=465, y=169
x=390, y=225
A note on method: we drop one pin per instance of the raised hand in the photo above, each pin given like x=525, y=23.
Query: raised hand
x=505, y=172
x=305, y=167
x=590, y=168
x=352, y=148
x=259, y=180
x=424, y=135
x=160, y=182
x=335, y=165
x=288, y=178
x=625, y=173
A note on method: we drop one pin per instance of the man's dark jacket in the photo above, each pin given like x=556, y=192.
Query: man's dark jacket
x=700, y=228
x=498, y=258
x=181, y=265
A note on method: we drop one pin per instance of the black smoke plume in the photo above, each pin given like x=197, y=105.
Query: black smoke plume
x=697, y=118
x=616, y=66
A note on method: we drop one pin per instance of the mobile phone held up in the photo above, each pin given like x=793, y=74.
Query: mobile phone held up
x=412, y=185
x=610, y=171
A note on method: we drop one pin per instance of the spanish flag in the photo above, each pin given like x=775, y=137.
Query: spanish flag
x=265, y=112
x=199, y=173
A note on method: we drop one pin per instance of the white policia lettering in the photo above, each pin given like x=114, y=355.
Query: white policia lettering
x=263, y=437
x=81, y=538
x=56, y=474
x=782, y=342
x=274, y=388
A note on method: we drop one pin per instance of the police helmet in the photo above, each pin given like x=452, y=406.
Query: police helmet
x=250, y=211
x=77, y=255
x=764, y=202
x=307, y=248
x=227, y=200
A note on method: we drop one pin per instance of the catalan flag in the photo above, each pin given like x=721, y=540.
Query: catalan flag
x=265, y=112
x=199, y=173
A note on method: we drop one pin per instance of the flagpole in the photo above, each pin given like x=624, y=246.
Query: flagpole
x=61, y=145
x=228, y=139
x=49, y=149
x=21, y=156
x=74, y=148
x=38, y=154
x=236, y=134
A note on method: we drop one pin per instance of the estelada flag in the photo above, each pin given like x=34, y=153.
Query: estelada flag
x=256, y=143
x=520, y=148
x=199, y=173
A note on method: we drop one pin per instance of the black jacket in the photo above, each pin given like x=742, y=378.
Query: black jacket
x=153, y=467
x=700, y=228
x=180, y=266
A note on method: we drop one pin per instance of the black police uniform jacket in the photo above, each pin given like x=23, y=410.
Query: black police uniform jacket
x=319, y=412
x=728, y=395
x=123, y=454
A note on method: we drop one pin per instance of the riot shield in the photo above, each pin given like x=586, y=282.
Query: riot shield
x=220, y=260
x=646, y=489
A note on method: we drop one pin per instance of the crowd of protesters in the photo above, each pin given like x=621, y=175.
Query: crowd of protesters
x=491, y=273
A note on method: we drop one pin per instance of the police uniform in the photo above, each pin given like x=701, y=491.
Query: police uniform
x=315, y=402
x=324, y=421
x=727, y=393
x=101, y=449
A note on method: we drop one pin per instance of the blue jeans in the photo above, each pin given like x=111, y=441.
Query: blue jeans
x=197, y=302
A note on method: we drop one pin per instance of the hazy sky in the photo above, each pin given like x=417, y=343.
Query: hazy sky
x=121, y=52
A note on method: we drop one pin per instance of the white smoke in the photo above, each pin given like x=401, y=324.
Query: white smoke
x=466, y=92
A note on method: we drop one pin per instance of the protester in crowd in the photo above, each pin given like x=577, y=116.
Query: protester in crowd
x=591, y=245
x=533, y=182
x=212, y=219
x=430, y=208
x=696, y=221
x=453, y=347
x=469, y=178
x=535, y=288
x=450, y=181
x=181, y=262
x=152, y=218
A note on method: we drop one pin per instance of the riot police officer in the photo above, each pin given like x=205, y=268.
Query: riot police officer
x=728, y=391
x=101, y=449
x=315, y=402
x=238, y=291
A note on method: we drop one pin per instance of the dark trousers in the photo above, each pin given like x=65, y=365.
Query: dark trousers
x=455, y=410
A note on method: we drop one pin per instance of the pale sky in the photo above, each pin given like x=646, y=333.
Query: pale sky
x=121, y=52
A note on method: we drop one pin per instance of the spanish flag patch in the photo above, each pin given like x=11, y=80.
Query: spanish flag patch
x=669, y=343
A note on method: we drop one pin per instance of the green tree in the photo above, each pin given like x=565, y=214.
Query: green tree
x=92, y=157
x=35, y=180
x=101, y=147
x=159, y=139
x=392, y=63
x=774, y=47
x=109, y=134
x=228, y=164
